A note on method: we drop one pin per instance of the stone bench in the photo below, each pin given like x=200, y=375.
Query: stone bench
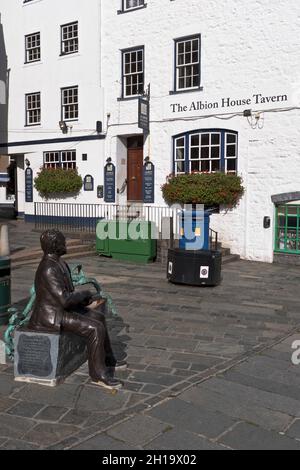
x=47, y=358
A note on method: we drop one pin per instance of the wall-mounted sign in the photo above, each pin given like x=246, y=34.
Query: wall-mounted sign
x=28, y=185
x=100, y=192
x=110, y=183
x=231, y=101
x=148, y=183
x=88, y=183
x=144, y=113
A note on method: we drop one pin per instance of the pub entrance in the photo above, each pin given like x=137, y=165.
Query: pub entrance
x=135, y=162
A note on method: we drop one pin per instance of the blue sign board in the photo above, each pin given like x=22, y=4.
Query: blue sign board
x=28, y=185
x=148, y=183
x=110, y=183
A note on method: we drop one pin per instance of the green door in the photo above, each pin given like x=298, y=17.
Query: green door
x=287, y=231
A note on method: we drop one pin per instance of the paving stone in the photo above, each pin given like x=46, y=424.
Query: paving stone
x=181, y=365
x=103, y=442
x=191, y=418
x=94, y=398
x=264, y=384
x=8, y=385
x=26, y=409
x=14, y=427
x=180, y=373
x=76, y=417
x=196, y=359
x=19, y=445
x=177, y=439
x=248, y=437
x=138, y=430
x=252, y=395
x=172, y=343
x=294, y=430
x=239, y=409
x=64, y=395
x=158, y=369
x=2, y=441
x=51, y=413
x=47, y=434
x=152, y=389
x=133, y=386
x=152, y=378
x=6, y=403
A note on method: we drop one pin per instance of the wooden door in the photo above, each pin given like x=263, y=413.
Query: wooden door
x=135, y=163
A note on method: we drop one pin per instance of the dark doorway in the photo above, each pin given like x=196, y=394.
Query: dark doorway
x=135, y=162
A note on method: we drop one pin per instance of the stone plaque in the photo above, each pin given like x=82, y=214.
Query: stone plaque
x=2, y=353
x=47, y=358
x=34, y=353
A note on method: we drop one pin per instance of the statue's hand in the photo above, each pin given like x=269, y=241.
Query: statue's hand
x=87, y=298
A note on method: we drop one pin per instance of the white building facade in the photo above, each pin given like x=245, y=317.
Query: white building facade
x=224, y=95
x=55, y=94
x=223, y=82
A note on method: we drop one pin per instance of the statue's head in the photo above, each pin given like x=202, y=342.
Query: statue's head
x=53, y=242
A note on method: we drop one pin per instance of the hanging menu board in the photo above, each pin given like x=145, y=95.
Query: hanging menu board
x=28, y=185
x=144, y=114
x=148, y=183
x=110, y=183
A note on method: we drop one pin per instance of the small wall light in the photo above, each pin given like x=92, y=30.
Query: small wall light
x=27, y=162
x=63, y=127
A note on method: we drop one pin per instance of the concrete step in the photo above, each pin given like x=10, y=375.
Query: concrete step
x=73, y=247
x=35, y=261
x=230, y=259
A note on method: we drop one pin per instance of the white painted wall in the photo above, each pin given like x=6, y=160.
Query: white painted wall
x=51, y=74
x=247, y=48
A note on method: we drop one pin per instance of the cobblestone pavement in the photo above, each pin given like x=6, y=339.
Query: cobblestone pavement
x=208, y=368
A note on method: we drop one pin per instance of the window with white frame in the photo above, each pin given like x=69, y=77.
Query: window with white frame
x=69, y=38
x=188, y=63
x=65, y=159
x=180, y=155
x=131, y=4
x=32, y=48
x=206, y=151
x=231, y=145
x=133, y=72
x=52, y=160
x=68, y=160
x=33, y=109
x=70, y=107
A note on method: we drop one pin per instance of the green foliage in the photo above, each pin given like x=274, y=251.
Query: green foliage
x=57, y=181
x=203, y=188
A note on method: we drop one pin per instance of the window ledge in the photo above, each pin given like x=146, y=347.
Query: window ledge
x=131, y=98
x=179, y=92
x=72, y=54
x=122, y=12
x=34, y=62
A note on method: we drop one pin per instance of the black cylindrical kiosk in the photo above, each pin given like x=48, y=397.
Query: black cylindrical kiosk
x=194, y=268
x=5, y=292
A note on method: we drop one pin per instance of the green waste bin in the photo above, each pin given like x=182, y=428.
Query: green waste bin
x=120, y=245
x=5, y=292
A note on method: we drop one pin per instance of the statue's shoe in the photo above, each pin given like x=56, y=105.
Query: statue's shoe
x=117, y=365
x=108, y=382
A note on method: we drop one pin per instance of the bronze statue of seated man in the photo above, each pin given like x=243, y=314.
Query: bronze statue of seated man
x=58, y=307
